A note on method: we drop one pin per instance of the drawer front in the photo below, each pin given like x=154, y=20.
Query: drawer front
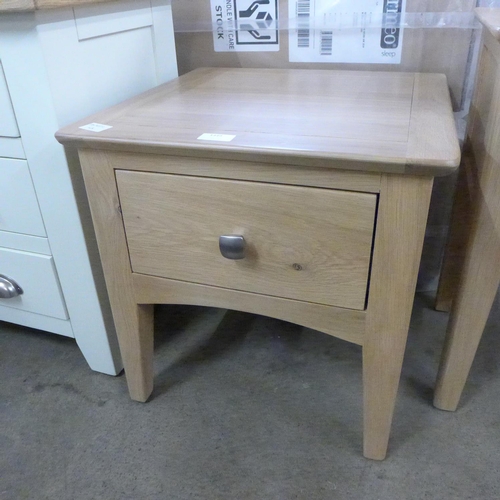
x=19, y=211
x=302, y=243
x=12, y=147
x=37, y=277
x=8, y=124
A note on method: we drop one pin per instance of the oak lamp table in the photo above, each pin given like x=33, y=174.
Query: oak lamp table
x=297, y=194
x=471, y=269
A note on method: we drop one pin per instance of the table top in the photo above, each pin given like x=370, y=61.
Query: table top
x=399, y=122
x=490, y=18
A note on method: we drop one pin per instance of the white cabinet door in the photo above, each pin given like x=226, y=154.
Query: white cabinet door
x=19, y=211
x=36, y=275
x=8, y=124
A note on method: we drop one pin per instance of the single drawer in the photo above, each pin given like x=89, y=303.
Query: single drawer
x=19, y=211
x=8, y=124
x=37, y=277
x=302, y=243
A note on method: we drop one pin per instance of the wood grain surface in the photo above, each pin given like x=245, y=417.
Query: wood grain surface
x=346, y=180
x=490, y=18
x=460, y=226
x=309, y=249
x=134, y=323
x=476, y=291
x=430, y=117
x=351, y=117
x=345, y=324
x=302, y=243
x=472, y=281
x=401, y=221
x=484, y=129
x=16, y=5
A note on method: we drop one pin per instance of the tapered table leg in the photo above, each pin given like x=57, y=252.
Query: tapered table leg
x=401, y=221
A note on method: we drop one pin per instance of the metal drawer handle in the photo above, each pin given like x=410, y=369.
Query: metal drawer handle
x=232, y=246
x=9, y=288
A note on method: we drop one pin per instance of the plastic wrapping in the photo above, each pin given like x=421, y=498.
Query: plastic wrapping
x=436, y=36
x=427, y=35
x=195, y=16
x=356, y=19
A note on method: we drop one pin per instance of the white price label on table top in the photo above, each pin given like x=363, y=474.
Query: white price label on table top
x=96, y=127
x=216, y=137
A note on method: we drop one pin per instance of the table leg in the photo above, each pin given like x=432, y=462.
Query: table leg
x=476, y=291
x=136, y=347
x=453, y=259
x=133, y=322
x=401, y=221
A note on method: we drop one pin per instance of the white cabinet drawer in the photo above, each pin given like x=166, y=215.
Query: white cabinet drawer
x=100, y=20
x=37, y=276
x=19, y=211
x=8, y=124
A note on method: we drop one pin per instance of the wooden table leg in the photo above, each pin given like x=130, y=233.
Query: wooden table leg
x=401, y=221
x=136, y=347
x=133, y=322
x=455, y=246
x=476, y=291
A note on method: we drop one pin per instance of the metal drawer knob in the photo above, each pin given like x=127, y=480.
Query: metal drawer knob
x=232, y=246
x=9, y=288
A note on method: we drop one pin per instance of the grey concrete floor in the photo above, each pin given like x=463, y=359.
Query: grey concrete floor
x=244, y=407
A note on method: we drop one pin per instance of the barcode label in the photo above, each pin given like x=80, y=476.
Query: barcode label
x=303, y=38
x=344, y=31
x=326, y=43
x=303, y=18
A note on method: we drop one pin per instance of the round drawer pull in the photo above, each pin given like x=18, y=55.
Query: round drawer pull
x=9, y=288
x=232, y=246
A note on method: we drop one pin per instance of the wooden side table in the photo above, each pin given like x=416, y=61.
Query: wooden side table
x=471, y=268
x=297, y=194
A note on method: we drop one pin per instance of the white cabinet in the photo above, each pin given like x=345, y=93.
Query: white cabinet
x=19, y=211
x=8, y=124
x=10, y=142
x=57, y=66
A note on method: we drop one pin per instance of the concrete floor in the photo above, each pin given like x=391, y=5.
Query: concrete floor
x=245, y=407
